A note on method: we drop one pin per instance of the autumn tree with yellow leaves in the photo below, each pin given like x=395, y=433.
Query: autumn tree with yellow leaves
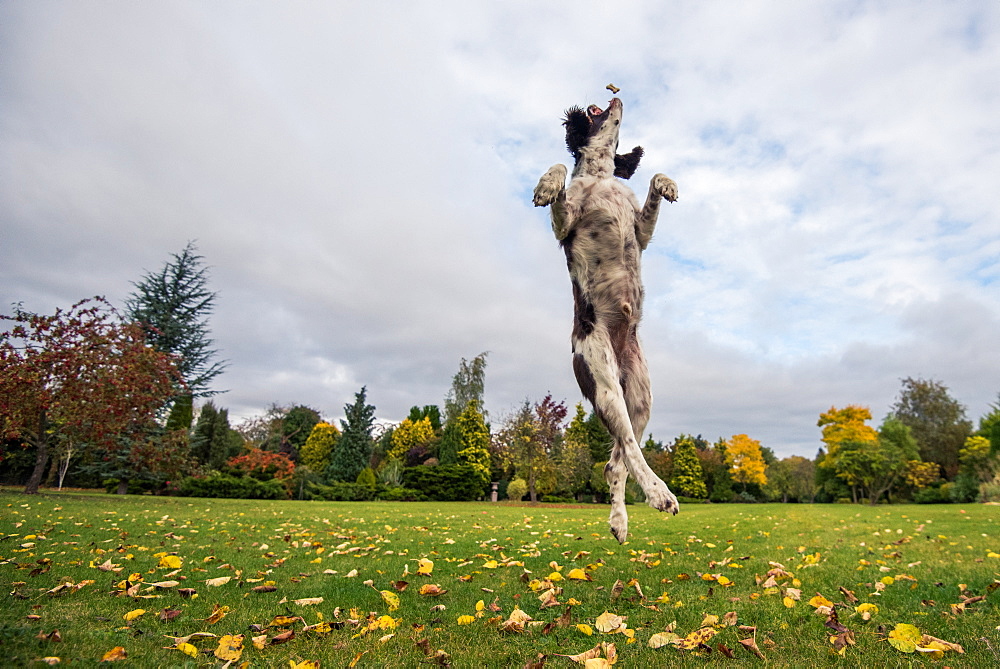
x=745, y=460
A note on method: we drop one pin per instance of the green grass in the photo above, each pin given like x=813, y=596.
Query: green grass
x=822, y=546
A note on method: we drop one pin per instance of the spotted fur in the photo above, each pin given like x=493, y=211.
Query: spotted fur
x=603, y=233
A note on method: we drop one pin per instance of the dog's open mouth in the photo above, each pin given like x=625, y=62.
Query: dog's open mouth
x=594, y=112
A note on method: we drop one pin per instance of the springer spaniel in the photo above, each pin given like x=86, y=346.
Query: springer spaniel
x=600, y=226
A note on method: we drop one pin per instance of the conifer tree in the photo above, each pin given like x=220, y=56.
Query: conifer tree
x=474, y=441
x=354, y=450
x=688, y=479
x=173, y=306
x=317, y=452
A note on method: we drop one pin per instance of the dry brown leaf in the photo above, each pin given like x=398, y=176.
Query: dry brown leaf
x=751, y=646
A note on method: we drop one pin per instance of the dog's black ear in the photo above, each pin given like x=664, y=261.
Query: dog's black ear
x=577, y=128
x=626, y=165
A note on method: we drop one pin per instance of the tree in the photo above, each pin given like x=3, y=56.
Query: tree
x=745, y=460
x=213, y=441
x=524, y=451
x=873, y=469
x=572, y=466
x=430, y=412
x=468, y=384
x=977, y=465
x=474, y=441
x=318, y=449
x=937, y=420
x=688, y=479
x=989, y=427
x=78, y=377
x=411, y=434
x=354, y=450
x=845, y=425
x=173, y=306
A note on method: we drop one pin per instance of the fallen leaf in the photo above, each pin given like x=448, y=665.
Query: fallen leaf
x=431, y=590
x=188, y=649
x=218, y=613
x=115, y=654
x=216, y=582
x=751, y=646
x=230, y=647
x=609, y=622
x=309, y=601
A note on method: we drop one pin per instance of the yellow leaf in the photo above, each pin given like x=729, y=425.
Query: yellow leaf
x=283, y=621
x=820, y=600
x=216, y=582
x=309, y=601
x=661, y=639
x=586, y=629
x=466, y=620
x=259, y=641
x=171, y=561
x=230, y=647
x=578, y=575
x=218, y=613
x=491, y=564
x=391, y=599
x=115, y=654
x=351, y=574
x=788, y=602
x=425, y=566
x=50, y=660
x=888, y=580
x=608, y=622
x=188, y=649
x=132, y=615
x=306, y=664
x=866, y=610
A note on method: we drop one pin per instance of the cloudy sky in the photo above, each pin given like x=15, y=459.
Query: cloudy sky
x=358, y=177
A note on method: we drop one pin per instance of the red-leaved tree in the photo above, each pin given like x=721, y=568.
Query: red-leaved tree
x=79, y=376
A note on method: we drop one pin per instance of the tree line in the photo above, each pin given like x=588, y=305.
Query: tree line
x=93, y=397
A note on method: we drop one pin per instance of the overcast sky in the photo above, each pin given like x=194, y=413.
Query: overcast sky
x=358, y=176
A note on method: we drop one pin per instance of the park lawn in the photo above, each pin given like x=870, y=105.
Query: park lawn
x=919, y=565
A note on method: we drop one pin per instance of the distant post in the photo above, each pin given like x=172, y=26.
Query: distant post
x=494, y=485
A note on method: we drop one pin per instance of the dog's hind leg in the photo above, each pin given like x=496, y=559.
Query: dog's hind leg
x=616, y=473
x=638, y=400
x=599, y=377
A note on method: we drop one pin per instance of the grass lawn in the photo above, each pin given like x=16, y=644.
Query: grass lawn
x=338, y=583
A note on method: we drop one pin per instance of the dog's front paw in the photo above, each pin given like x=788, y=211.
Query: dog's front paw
x=664, y=187
x=550, y=185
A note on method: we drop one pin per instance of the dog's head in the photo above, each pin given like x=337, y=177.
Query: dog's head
x=597, y=130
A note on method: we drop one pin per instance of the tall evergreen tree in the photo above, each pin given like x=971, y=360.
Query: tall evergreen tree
x=354, y=450
x=688, y=479
x=173, y=306
x=474, y=441
x=213, y=441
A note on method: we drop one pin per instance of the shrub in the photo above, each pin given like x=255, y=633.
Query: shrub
x=224, y=485
x=399, y=494
x=517, y=489
x=933, y=495
x=261, y=465
x=339, y=491
x=366, y=477
x=445, y=483
x=557, y=499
